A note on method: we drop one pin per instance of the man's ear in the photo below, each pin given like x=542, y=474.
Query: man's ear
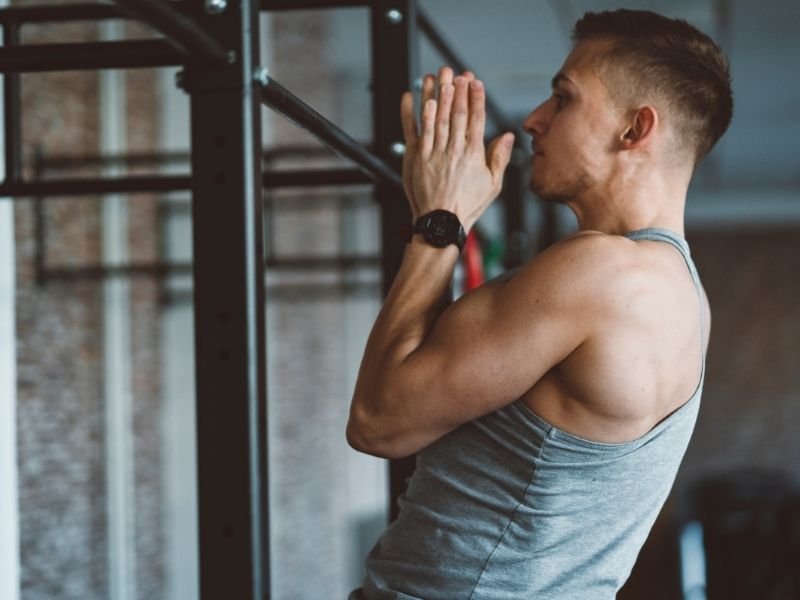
x=640, y=128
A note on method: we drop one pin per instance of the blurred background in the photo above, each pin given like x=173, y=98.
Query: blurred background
x=97, y=447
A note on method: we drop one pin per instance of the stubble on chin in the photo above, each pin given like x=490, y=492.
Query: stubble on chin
x=560, y=193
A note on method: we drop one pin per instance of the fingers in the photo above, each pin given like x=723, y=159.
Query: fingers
x=428, y=127
x=446, y=76
x=409, y=121
x=446, y=93
x=428, y=92
x=477, y=114
x=456, y=106
x=460, y=114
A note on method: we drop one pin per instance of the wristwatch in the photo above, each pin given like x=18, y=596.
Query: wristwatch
x=440, y=228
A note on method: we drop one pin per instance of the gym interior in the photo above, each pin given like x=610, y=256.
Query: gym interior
x=198, y=223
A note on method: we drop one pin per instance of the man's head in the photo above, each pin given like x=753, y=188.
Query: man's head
x=653, y=59
x=637, y=87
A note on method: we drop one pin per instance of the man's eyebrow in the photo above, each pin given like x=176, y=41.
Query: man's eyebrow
x=559, y=77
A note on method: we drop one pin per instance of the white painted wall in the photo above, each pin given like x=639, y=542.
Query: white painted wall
x=9, y=510
x=9, y=507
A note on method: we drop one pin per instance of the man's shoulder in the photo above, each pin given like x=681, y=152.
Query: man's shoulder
x=588, y=262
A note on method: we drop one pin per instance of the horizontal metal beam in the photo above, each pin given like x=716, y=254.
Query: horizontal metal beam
x=174, y=183
x=315, y=177
x=85, y=186
x=276, y=5
x=193, y=41
x=128, y=54
x=135, y=159
x=83, y=11
x=277, y=97
x=438, y=41
x=287, y=263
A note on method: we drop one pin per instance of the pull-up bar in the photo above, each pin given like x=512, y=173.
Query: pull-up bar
x=186, y=35
x=277, y=97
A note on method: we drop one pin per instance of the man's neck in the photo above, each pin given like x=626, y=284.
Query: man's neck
x=633, y=203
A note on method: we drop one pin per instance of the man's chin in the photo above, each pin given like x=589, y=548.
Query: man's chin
x=546, y=195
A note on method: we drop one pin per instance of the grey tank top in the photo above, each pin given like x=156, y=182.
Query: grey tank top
x=509, y=507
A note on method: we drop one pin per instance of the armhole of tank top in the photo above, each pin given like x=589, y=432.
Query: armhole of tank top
x=680, y=244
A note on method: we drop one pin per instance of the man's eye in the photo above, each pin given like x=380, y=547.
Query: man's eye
x=560, y=99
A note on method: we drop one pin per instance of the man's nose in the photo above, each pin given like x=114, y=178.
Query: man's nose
x=536, y=122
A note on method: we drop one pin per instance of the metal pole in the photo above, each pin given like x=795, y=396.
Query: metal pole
x=59, y=12
x=229, y=308
x=513, y=198
x=173, y=183
x=30, y=58
x=394, y=68
x=183, y=32
x=277, y=5
x=282, y=100
x=11, y=108
x=80, y=186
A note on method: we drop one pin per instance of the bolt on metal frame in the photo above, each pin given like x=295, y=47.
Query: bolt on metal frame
x=218, y=44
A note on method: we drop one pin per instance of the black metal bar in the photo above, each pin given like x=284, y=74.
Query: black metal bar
x=315, y=177
x=276, y=96
x=60, y=12
x=513, y=198
x=300, y=263
x=137, y=159
x=171, y=183
x=439, y=42
x=99, y=272
x=276, y=5
x=286, y=263
x=80, y=187
x=193, y=41
x=128, y=54
x=394, y=68
x=129, y=160
x=40, y=224
x=230, y=345
x=299, y=292
x=12, y=113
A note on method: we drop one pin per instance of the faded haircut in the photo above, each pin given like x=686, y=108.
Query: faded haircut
x=654, y=57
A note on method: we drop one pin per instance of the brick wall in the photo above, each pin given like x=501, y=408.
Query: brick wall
x=61, y=409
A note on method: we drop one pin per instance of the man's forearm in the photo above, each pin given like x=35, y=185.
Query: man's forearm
x=419, y=295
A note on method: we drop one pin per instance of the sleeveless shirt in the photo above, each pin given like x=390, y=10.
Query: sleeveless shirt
x=509, y=507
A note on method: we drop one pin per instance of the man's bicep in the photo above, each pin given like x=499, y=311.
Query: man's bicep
x=487, y=349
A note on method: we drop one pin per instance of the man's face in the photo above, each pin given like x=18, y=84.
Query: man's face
x=573, y=130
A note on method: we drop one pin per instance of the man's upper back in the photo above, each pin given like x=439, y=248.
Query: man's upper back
x=642, y=357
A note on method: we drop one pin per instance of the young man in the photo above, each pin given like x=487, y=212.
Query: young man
x=551, y=408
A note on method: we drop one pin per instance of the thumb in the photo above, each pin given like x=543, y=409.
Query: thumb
x=500, y=154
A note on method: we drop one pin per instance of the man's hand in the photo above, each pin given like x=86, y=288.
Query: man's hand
x=446, y=165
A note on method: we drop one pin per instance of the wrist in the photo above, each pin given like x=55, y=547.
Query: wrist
x=439, y=228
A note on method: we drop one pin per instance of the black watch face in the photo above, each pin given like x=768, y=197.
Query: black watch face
x=441, y=228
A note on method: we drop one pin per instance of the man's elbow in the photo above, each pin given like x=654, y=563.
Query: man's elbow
x=369, y=435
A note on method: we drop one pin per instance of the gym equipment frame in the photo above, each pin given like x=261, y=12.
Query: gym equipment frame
x=216, y=42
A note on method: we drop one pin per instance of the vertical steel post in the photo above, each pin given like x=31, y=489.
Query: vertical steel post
x=12, y=115
x=394, y=70
x=229, y=307
x=513, y=198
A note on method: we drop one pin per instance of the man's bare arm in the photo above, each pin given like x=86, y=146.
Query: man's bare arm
x=427, y=367
x=426, y=372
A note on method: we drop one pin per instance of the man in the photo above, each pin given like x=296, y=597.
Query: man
x=550, y=408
